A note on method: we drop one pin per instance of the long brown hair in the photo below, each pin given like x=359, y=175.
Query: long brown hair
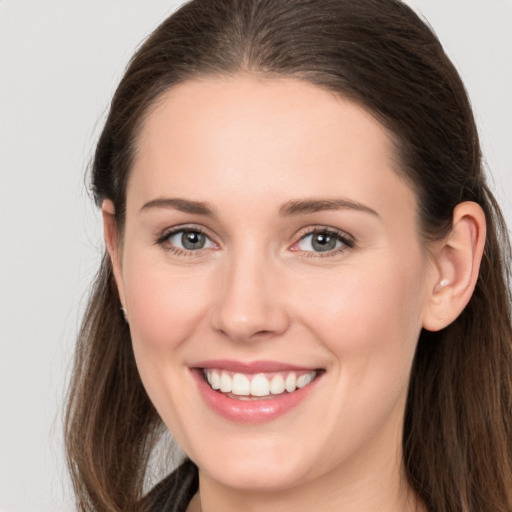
x=458, y=423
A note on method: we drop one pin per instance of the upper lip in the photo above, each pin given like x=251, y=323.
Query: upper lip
x=250, y=367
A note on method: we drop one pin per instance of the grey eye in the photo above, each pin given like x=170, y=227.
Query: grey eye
x=321, y=241
x=190, y=240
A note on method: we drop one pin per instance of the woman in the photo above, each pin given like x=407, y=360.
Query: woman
x=306, y=276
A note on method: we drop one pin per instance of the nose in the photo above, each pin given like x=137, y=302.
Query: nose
x=250, y=303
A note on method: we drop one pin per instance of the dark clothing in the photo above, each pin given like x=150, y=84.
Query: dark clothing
x=173, y=493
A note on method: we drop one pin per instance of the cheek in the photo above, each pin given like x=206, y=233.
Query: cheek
x=165, y=305
x=370, y=314
x=370, y=322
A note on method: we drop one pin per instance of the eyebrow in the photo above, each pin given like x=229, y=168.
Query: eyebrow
x=288, y=209
x=305, y=206
x=183, y=205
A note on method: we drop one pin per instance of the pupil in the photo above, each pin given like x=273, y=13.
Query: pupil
x=192, y=240
x=323, y=242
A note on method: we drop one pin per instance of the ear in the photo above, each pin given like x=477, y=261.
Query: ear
x=456, y=263
x=112, y=242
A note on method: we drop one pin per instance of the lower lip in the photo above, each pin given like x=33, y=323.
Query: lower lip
x=251, y=411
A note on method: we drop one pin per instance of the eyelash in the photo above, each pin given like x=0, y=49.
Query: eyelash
x=163, y=240
x=346, y=240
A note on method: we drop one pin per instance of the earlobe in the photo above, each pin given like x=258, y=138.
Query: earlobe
x=113, y=247
x=456, y=263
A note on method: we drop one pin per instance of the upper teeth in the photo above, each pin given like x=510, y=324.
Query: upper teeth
x=259, y=384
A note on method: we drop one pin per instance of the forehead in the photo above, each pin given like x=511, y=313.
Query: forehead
x=247, y=138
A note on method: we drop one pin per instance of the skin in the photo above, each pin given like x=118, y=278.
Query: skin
x=259, y=291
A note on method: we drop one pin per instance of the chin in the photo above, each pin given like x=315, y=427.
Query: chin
x=256, y=476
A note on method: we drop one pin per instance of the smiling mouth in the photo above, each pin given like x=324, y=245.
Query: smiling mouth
x=243, y=386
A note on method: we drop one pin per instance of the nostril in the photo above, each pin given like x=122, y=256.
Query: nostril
x=258, y=325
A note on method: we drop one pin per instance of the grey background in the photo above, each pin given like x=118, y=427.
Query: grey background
x=59, y=64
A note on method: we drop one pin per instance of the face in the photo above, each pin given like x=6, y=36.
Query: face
x=271, y=247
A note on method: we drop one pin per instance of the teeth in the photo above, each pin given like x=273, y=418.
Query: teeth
x=291, y=382
x=241, y=385
x=257, y=385
x=277, y=385
x=260, y=386
x=214, y=380
x=225, y=383
x=304, y=380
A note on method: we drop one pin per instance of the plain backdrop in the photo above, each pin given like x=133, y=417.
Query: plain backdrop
x=59, y=64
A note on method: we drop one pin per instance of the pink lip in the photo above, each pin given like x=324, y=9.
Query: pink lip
x=250, y=411
x=250, y=367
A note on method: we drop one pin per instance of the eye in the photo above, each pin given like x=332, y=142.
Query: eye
x=186, y=240
x=323, y=241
